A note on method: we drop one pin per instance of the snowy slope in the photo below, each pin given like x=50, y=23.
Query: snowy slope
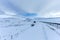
x=18, y=28
x=54, y=20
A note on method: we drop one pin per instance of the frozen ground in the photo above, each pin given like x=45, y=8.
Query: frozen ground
x=15, y=28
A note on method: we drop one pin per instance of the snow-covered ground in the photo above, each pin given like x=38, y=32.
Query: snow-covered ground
x=18, y=28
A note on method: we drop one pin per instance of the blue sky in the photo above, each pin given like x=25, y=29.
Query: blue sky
x=43, y=8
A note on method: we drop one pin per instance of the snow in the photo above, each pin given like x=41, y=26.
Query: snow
x=18, y=28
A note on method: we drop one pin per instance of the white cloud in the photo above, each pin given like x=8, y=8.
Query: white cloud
x=5, y=16
x=10, y=13
x=52, y=14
